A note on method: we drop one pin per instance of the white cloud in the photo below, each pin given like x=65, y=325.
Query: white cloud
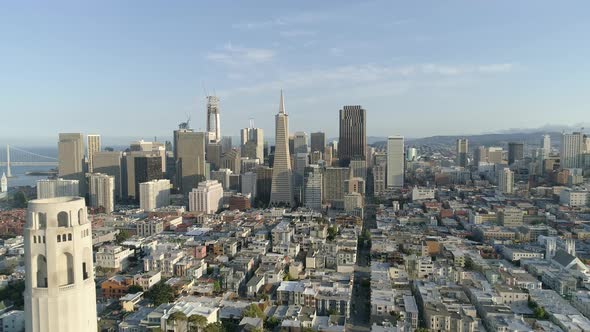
x=297, y=33
x=236, y=55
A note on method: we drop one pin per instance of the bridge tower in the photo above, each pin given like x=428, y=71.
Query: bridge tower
x=8, y=172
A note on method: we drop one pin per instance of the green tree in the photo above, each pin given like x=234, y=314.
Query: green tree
x=178, y=319
x=272, y=322
x=217, y=286
x=134, y=289
x=13, y=294
x=214, y=327
x=122, y=236
x=421, y=329
x=196, y=323
x=20, y=200
x=332, y=232
x=253, y=310
x=160, y=293
x=540, y=313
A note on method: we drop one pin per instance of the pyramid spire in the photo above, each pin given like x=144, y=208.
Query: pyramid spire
x=282, y=103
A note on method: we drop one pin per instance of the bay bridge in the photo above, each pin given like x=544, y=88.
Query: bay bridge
x=14, y=156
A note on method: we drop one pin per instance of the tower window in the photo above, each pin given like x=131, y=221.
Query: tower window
x=62, y=219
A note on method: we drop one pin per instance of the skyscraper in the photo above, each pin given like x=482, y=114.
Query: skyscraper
x=318, y=142
x=154, y=194
x=395, y=162
x=71, y=158
x=334, y=186
x=282, y=186
x=110, y=162
x=480, y=155
x=572, y=148
x=93, y=147
x=213, y=125
x=505, y=181
x=462, y=148
x=102, y=191
x=546, y=146
x=300, y=142
x=147, y=168
x=353, y=135
x=301, y=161
x=253, y=143
x=60, y=293
x=515, y=152
x=312, y=195
x=189, y=153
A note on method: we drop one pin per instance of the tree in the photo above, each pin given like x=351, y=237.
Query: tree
x=178, y=318
x=214, y=327
x=160, y=293
x=196, y=322
x=20, y=200
x=13, y=293
x=540, y=313
x=217, y=286
x=332, y=232
x=122, y=236
x=134, y=289
x=253, y=310
x=272, y=322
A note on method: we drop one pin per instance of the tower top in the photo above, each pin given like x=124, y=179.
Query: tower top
x=282, y=104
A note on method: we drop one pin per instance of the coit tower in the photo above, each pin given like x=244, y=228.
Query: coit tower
x=60, y=293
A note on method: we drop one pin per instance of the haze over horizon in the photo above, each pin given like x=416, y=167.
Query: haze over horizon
x=120, y=69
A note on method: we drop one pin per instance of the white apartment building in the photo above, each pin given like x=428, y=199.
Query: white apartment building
x=207, y=197
x=113, y=257
x=154, y=194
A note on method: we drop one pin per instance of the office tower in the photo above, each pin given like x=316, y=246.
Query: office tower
x=3, y=183
x=353, y=134
x=506, y=181
x=213, y=155
x=511, y=217
x=328, y=155
x=282, y=185
x=234, y=182
x=226, y=144
x=207, y=197
x=316, y=157
x=189, y=153
x=380, y=158
x=93, y=147
x=411, y=154
x=102, y=191
x=248, y=181
x=156, y=148
x=318, y=142
x=334, y=186
x=213, y=124
x=495, y=155
x=248, y=165
x=291, y=144
x=71, y=158
x=154, y=194
x=300, y=142
x=572, y=148
x=60, y=293
x=52, y=188
x=301, y=161
x=515, y=152
x=109, y=162
x=222, y=176
x=480, y=155
x=546, y=146
x=462, y=148
x=147, y=168
x=129, y=179
x=395, y=162
x=312, y=195
x=263, y=184
x=253, y=143
x=231, y=160
x=359, y=168
x=355, y=185
x=379, y=185
x=369, y=156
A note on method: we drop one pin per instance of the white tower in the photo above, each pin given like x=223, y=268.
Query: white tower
x=213, y=125
x=550, y=247
x=3, y=183
x=60, y=294
x=570, y=246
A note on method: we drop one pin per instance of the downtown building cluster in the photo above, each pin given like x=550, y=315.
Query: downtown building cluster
x=199, y=233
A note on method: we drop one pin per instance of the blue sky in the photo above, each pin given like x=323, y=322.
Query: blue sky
x=420, y=68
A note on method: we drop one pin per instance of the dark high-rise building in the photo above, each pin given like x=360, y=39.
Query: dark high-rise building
x=147, y=168
x=213, y=155
x=515, y=152
x=189, y=153
x=263, y=184
x=318, y=142
x=353, y=134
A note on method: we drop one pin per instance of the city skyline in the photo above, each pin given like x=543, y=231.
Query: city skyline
x=416, y=61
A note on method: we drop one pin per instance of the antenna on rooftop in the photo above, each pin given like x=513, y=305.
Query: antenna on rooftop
x=251, y=122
